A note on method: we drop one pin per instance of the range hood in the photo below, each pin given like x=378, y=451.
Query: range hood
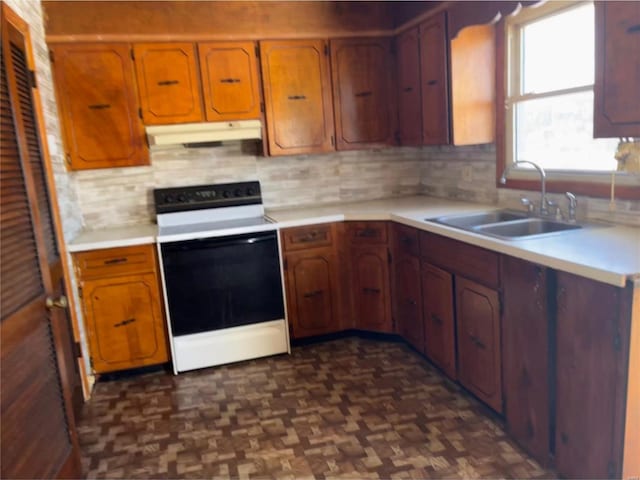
x=190, y=133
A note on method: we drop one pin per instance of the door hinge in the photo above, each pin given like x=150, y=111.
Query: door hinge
x=389, y=256
x=333, y=141
x=51, y=56
x=140, y=113
x=326, y=49
x=77, y=350
x=80, y=292
x=617, y=342
x=133, y=56
x=91, y=363
x=67, y=157
x=261, y=107
x=500, y=304
x=285, y=264
x=257, y=50
x=32, y=79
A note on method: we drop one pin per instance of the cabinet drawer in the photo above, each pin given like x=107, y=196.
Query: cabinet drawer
x=459, y=257
x=309, y=236
x=115, y=261
x=367, y=232
x=405, y=239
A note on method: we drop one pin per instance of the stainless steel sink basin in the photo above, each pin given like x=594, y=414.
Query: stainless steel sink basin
x=470, y=220
x=529, y=227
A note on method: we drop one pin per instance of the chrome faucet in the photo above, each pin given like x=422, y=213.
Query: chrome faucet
x=573, y=203
x=543, y=187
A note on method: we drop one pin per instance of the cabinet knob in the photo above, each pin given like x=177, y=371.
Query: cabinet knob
x=60, y=302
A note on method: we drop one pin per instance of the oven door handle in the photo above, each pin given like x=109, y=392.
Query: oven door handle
x=216, y=242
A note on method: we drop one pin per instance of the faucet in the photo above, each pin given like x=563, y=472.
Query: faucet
x=573, y=203
x=543, y=177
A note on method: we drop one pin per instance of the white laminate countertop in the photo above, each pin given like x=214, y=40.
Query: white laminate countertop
x=610, y=254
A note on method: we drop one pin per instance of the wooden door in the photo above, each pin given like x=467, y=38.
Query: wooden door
x=38, y=376
x=617, y=81
x=297, y=94
x=438, y=318
x=98, y=107
x=525, y=355
x=478, y=326
x=168, y=82
x=592, y=350
x=229, y=73
x=434, y=76
x=407, y=298
x=409, y=86
x=124, y=322
x=363, y=93
x=371, y=288
x=312, y=285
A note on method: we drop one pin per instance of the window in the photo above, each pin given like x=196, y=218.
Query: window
x=549, y=98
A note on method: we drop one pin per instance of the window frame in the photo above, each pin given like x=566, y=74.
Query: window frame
x=591, y=183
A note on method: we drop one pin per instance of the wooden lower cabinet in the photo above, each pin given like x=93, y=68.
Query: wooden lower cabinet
x=478, y=327
x=438, y=318
x=592, y=351
x=312, y=284
x=122, y=308
x=370, y=287
x=407, y=299
x=526, y=349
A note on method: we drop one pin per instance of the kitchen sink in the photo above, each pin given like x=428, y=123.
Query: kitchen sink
x=505, y=224
x=528, y=227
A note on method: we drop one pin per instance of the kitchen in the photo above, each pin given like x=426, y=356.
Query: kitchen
x=331, y=178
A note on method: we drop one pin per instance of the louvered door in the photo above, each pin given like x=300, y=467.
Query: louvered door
x=37, y=426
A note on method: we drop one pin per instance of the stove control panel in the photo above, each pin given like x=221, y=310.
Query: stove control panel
x=198, y=197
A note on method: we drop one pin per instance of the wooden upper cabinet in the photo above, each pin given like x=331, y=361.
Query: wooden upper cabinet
x=409, y=95
x=168, y=83
x=363, y=93
x=297, y=90
x=229, y=73
x=98, y=105
x=617, y=81
x=434, y=70
x=473, y=61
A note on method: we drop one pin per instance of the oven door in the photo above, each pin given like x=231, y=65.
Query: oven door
x=222, y=282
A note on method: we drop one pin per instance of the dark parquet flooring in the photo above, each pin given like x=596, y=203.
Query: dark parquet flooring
x=349, y=408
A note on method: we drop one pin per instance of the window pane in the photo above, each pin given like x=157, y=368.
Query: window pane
x=556, y=132
x=558, y=51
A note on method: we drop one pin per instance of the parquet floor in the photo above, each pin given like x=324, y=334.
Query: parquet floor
x=349, y=408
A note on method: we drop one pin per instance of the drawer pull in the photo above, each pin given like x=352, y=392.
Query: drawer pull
x=371, y=290
x=406, y=240
x=407, y=89
x=297, y=97
x=124, y=322
x=432, y=82
x=364, y=94
x=476, y=341
x=634, y=29
x=436, y=319
x=114, y=261
x=411, y=302
x=313, y=293
x=229, y=80
x=100, y=106
x=309, y=237
x=366, y=233
x=166, y=83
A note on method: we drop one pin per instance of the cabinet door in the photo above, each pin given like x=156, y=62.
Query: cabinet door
x=617, y=81
x=362, y=93
x=297, y=90
x=98, y=105
x=312, y=284
x=229, y=72
x=592, y=345
x=439, y=325
x=372, y=305
x=124, y=322
x=478, y=322
x=435, y=81
x=525, y=355
x=407, y=299
x=409, y=97
x=168, y=82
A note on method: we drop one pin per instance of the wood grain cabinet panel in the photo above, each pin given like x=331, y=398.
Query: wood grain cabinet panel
x=297, y=90
x=407, y=299
x=230, y=81
x=526, y=352
x=98, y=105
x=370, y=287
x=434, y=70
x=438, y=318
x=168, y=82
x=312, y=285
x=363, y=92
x=409, y=86
x=478, y=327
x=592, y=350
x=617, y=81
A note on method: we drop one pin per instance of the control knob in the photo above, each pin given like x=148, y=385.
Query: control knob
x=168, y=198
x=251, y=191
x=237, y=192
x=226, y=194
x=182, y=198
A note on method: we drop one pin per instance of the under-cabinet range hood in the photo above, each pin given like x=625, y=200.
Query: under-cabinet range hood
x=194, y=133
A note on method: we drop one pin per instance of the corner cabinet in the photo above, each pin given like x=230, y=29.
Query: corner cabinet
x=297, y=91
x=363, y=93
x=97, y=99
x=168, y=82
x=120, y=294
x=617, y=81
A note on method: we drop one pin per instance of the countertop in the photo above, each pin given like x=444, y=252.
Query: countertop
x=607, y=253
